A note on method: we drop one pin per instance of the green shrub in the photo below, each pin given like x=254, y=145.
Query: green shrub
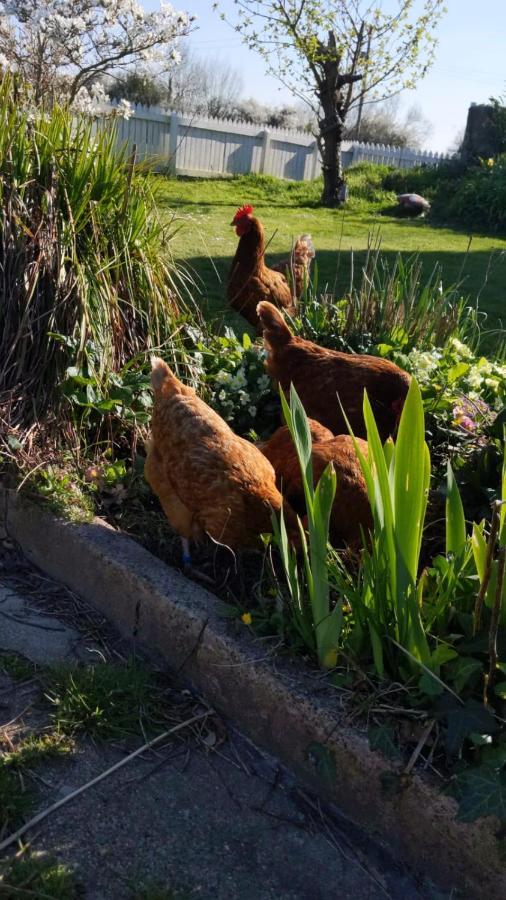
x=481, y=196
x=472, y=196
x=428, y=181
x=234, y=382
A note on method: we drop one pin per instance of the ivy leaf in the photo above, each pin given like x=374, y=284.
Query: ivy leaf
x=466, y=668
x=429, y=686
x=462, y=720
x=481, y=791
x=382, y=739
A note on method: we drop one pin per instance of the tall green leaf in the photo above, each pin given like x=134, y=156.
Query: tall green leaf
x=409, y=483
x=455, y=520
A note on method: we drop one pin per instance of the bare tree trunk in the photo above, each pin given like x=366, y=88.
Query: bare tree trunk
x=335, y=103
x=330, y=140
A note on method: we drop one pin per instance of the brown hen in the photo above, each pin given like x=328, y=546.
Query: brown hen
x=280, y=444
x=250, y=280
x=296, y=269
x=208, y=480
x=321, y=376
x=351, y=511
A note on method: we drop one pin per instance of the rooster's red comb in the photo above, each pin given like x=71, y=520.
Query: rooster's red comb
x=242, y=212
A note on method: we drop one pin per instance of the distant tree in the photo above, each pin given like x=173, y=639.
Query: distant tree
x=206, y=87
x=456, y=142
x=251, y=110
x=499, y=121
x=334, y=54
x=382, y=123
x=137, y=88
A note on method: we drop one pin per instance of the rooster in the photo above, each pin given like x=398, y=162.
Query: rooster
x=208, y=480
x=297, y=268
x=325, y=379
x=351, y=512
x=250, y=280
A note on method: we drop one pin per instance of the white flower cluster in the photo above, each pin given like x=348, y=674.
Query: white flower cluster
x=91, y=101
x=422, y=364
x=477, y=377
x=460, y=349
x=239, y=390
x=55, y=43
x=486, y=376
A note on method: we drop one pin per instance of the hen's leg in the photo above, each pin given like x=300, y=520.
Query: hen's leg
x=187, y=560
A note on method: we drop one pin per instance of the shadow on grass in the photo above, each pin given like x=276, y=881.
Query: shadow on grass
x=481, y=276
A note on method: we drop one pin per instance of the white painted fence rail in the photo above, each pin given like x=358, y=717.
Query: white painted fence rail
x=190, y=145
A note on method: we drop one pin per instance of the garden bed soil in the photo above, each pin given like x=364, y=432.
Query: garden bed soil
x=285, y=708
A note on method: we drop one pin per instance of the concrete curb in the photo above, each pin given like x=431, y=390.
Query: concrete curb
x=275, y=703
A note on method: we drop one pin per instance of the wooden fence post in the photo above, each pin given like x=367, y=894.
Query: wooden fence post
x=315, y=161
x=266, y=145
x=173, y=134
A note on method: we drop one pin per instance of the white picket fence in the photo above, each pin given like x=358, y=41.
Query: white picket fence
x=189, y=145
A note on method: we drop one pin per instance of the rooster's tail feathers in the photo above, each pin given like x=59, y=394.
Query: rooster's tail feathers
x=160, y=372
x=304, y=248
x=276, y=330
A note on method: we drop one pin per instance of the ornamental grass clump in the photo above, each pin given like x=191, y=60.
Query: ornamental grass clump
x=389, y=306
x=84, y=260
x=404, y=617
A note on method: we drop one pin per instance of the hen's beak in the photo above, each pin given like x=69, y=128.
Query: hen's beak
x=232, y=222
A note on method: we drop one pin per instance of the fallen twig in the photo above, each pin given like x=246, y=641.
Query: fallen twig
x=419, y=747
x=46, y=812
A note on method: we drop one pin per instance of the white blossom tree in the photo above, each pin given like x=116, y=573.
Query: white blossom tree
x=334, y=53
x=62, y=48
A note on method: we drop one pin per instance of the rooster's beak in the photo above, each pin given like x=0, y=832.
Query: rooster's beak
x=232, y=222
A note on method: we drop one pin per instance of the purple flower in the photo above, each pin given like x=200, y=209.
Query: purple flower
x=463, y=421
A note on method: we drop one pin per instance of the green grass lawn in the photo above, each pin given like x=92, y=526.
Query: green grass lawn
x=203, y=209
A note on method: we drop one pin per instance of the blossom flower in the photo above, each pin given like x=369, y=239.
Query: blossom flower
x=423, y=364
x=125, y=109
x=484, y=366
x=471, y=412
x=474, y=378
x=464, y=421
x=252, y=410
x=460, y=348
x=223, y=377
x=246, y=618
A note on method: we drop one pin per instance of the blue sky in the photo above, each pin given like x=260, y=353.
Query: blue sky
x=470, y=63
